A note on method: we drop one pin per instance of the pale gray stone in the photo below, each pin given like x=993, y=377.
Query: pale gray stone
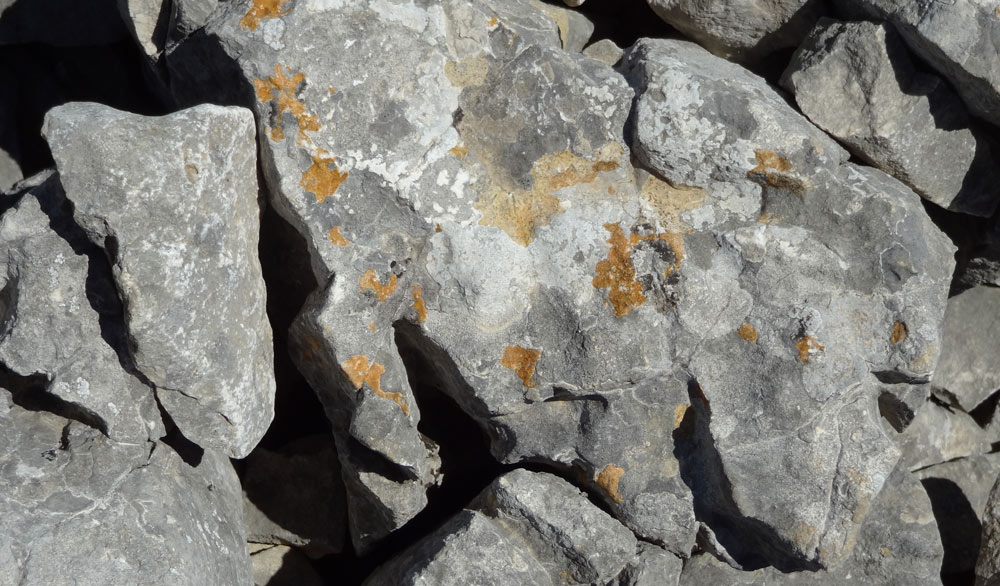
x=605, y=51
x=741, y=30
x=958, y=38
x=857, y=81
x=939, y=434
x=157, y=25
x=968, y=368
x=899, y=403
x=652, y=566
x=988, y=563
x=10, y=170
x=181, y=230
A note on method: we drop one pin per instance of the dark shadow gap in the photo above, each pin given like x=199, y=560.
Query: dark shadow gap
x=960, y=530
x=30, y=393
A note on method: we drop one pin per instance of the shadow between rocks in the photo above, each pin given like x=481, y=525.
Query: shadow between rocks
x=960, y=530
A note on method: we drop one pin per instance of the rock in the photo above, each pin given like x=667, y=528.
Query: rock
x=939, y=434
x=857, y=81
x=63, y=23
x=898, y=545
x=10, y=171
x=525, y=528
x=280, y=565
x=969, y=345
x=652, y=566
x=741, y=30
x=959, y=491
x=157, y=26
x=605, y=51
x=57, y=299
x=574, y=28
x=574, y=3
x=988, y=563
x=181, y=230
x=958, y=39
x=295, y=496
x=899, y=403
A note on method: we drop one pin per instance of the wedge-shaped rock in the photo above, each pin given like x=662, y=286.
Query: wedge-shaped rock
x=956, y=38
x=526, y=528
x=939, y=434
x=857, y=81
x=651, y=566
x=58, y=315
x=969, y=345
x=173, y=200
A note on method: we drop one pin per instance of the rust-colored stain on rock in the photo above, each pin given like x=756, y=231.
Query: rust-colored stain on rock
x=323, y=178
x=899, y=332
x=522, y=361
x=418, y=303
x=679, y=412
x=370, y=281
x=775, y=170
x=747, y=332
x=281, y=87
x=608, y=480
x=494, y=21
x=807, y=346
x=669, y=201
x=262, y=10
x=360, y=372
x=467, y=72
x=336, y=237
x=617, y=273
x=459, y=151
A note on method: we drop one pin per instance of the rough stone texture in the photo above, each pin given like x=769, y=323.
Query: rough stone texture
x=898, y=545
x=605, y=51
x=280, y=565
x=939, y=434
x=742, y=30
x=988, y=563
x=55, y=301
x=857, y=81
x=829, y=295
x=64, y=23
x=970, y=342
x=157, y=25
x=899, y=403
x=652, y=566
x=525, y=528
x=957, y=38
x=295, y=495
x=181, y=231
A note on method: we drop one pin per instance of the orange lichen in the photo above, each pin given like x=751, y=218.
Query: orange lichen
x=361, y=373
x=370, y=281
x=437, y=227
x=899, y=332
x=371, y=326
x=522, y=361
x=261, y=10
x=679, y=412
x=494, y=21
x=282, y=89
x=336, y=237
x=323, y=178
x=611, y=191
x=418, y=303
x=617, y=273
x=608, y=480
x=747, y=332
x=460, y=151
x=807, y=346
x=774, y=169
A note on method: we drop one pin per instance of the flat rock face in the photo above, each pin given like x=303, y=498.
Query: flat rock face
x=181, y=231
x=958, y=39
x=988, y=564
x=939, y=434
x=857, y=81
x=652, y=566
x=742, y=30
x=969, y=344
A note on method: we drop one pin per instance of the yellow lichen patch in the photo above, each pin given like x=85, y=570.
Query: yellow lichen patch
x=323, y=178
x=470, y=71
x=522, y=361
x=494, y=21
x=679, y=412
x=669, y=201
x=775, y=170
x=361, y=373
x=437, y=227
x=608, y=480
x=884, y=551
x=262, y=10
x=370, y=281
x=747, y=332
x=336, y=237
x=460, y=151
x=418, y=303
x=899, y=332
x=281, y=88
x=807, y=346
x=371, y=326
x=617, y=274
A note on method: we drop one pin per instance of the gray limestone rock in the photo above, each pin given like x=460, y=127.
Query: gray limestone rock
x=525, y=528
x=939, y=434
x=958, y=38
x=741, y=30
x=857, y=81
x=55, y=302
x=988, y=562
x=295, y=496
x=651, y=566
x=899, y=403
x=158, y=25
x=968, y=368
x=605, y=51
x=181, y=231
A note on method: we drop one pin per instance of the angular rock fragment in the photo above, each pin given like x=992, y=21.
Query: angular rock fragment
x=55, y=304
x=988, y=563
x=939, y=434
x=157, y=25
x=956, y=38
x=652, y=566
x=857, y=81
x=181, y=231
x=526, y=527
x=899, y=403
x=968, y=369
x=741, y=30
x=605, y=51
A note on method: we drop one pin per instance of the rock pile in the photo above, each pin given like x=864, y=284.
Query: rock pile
x=469, y=292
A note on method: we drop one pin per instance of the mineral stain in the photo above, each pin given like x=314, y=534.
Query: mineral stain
x=370, y=281
x=361, y=372
x=608, y=480
x=522, y=361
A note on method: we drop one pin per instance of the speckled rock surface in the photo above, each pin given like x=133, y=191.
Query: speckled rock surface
x=988, y=563
x=938, y=434
x=181, y=233
x=969, y=345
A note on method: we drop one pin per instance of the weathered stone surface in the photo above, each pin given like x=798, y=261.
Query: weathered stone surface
x=605, y=51
x=899, y=403
x=742, y=30
x=525, y=528
x=988, y=563
x=280, y=565
x=652, y=566
x=574, y=28
x=180, y=229
x=898, y=545
x=295, y=495
x=956, y=38
x=55, y=303
x=157, y=25
x=970, y=341
x=857, y=81
x=939, y=434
